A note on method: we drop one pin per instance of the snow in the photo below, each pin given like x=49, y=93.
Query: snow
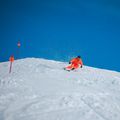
x=39, y=89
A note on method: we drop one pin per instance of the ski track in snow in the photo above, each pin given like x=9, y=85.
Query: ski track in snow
x=39, y=89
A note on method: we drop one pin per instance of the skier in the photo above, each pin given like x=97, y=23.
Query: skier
x=75, y=63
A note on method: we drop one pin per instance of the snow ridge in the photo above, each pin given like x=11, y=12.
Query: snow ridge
x=39, y=89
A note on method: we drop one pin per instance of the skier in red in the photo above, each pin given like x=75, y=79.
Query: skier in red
x=75, y=63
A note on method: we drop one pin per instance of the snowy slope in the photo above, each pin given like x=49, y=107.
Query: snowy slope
x=39, y=89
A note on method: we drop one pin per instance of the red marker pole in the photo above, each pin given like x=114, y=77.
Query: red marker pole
x=11, y=59
x=18, y=48
x=10, y=67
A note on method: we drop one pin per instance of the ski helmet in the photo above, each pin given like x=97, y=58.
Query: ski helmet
x=78, y=56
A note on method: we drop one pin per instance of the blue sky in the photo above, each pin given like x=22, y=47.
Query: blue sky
x=61, y=29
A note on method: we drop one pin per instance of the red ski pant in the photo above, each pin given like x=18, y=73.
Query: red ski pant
x=73, y=66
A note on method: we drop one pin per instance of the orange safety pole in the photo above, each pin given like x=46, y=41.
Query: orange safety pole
x=18, y=44
x=10, y=67
x=11, y=59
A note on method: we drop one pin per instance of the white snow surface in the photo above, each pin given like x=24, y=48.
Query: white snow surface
x=39, y=89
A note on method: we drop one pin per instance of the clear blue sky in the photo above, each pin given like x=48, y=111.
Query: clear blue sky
x=61, y=29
